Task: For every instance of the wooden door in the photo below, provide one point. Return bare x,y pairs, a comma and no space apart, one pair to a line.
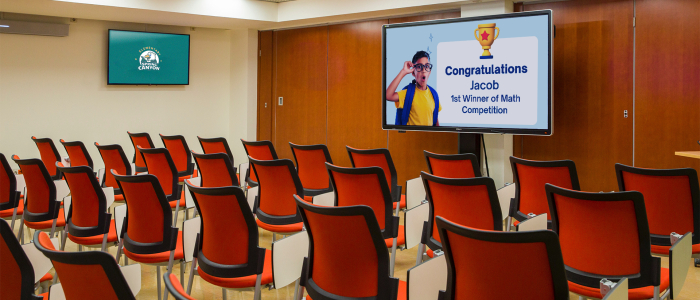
264,130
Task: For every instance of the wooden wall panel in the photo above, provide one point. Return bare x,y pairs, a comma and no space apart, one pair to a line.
354,88
407,148
667,83
593,63
300,78
264,130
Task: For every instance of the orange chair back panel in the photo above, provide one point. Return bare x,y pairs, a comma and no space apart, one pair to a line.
481,261
353,189
224,228
84,281
452,168
533,198
345,259
667,200
158,165
112,160
259,153
4,185
84,202
140,141
465,205
11,282
373,160
594,235
178,153
214,173
145,221
277,190
38,191
312,170
213,147
77,157
48,157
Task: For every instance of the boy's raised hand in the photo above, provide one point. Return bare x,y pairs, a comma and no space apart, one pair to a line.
407,67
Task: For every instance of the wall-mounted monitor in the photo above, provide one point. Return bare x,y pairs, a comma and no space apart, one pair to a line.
148,58
490,74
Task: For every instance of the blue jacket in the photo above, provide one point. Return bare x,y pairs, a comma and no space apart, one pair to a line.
403,113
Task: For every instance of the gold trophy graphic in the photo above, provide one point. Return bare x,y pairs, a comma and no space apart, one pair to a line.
484,34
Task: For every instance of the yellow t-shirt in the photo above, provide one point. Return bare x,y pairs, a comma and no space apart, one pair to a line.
421,109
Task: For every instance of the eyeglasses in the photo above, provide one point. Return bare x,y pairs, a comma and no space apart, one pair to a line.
420,67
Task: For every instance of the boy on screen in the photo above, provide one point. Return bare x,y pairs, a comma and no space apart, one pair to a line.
416,102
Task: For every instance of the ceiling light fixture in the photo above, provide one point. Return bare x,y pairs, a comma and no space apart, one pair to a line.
6,26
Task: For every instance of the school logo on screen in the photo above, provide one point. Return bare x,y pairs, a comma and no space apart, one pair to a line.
149,59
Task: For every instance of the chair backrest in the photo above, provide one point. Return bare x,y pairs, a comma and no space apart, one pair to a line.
9,196
476,257
85,275
40,202
180,153
279,183
361,269
671,197
310,160
215,145
381,157
365,186
78,154
114,158
49,155
144,141
471,202
229,236
603,235
260,150
87,215
17,281
147,228
530,176
464,165
160,163
216,170
175,287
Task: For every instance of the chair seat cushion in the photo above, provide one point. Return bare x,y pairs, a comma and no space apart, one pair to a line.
400,240
46,277
44,296
296,227
183,178
8,212
119,197
48,223
664,250
157,257
241,282
173,203
401,295
96,239
402,202
429,253
638,293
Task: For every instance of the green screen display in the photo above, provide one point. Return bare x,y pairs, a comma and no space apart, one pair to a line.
148,58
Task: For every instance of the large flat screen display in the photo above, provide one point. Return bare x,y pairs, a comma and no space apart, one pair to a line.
487,74
148,58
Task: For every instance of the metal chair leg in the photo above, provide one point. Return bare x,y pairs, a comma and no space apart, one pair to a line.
159,279
223,293
509,222
393,258
64,234
256,295
421,250
182,271
193,268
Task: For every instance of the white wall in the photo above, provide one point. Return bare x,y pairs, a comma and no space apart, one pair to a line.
244,90
57,87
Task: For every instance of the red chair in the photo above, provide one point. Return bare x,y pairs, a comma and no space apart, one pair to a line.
89,222
215,145
227,247
351,265
11,205
471,202
114,158
260,150
530,176
144,141
77,154
17,281
361,158
368,186
464,165
311,167
216,170
42,211
606,235
180,152
85,275
148,236
159,163
275,207
672,200
175,288
476,257
49,156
